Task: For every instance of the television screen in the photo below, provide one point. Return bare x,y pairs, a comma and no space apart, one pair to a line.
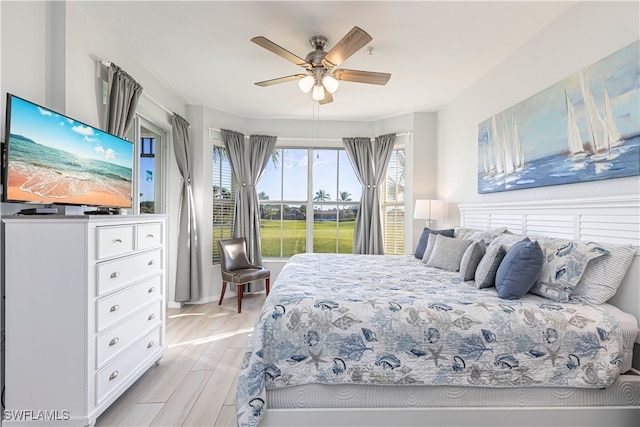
51,158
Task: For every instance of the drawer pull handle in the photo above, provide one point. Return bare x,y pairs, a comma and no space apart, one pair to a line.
151,262
114,308
151,344
150,236
117,240
115,274
151,289
113,375
114,341
151,316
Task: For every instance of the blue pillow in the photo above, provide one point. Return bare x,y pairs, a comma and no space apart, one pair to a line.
424,239
519,269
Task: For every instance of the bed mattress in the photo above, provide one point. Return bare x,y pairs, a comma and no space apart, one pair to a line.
624,392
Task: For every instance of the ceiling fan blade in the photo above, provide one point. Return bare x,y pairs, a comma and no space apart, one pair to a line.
280,80
352,42
362,76
327,97
280,51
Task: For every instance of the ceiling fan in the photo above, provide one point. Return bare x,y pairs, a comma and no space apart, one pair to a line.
322,75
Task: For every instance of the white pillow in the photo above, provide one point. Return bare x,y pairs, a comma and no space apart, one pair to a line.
603,275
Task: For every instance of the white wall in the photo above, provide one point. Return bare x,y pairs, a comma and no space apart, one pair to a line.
584,34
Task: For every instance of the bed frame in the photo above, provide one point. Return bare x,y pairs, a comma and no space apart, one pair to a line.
604,219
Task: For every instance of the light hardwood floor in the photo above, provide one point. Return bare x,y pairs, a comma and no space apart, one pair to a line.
195,383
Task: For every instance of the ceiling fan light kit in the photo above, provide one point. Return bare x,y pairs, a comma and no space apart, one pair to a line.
322,77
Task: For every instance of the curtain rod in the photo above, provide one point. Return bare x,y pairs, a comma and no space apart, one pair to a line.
146,95
212,129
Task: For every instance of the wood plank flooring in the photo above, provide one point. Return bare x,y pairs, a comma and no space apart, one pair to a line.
195,384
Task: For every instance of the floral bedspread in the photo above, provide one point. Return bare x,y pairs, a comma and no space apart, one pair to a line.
390,320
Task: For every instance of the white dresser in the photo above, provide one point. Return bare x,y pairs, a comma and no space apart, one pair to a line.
85,313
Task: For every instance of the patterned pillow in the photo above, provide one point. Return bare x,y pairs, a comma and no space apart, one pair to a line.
486,271
424,239
519,269
460,232
603,275
487,236
508,240
471,258
565,263
447,252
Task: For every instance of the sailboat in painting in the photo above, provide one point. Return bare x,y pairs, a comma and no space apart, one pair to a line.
576,146
604,132
517,146
502,155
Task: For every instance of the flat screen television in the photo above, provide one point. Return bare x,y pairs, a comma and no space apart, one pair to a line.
50,158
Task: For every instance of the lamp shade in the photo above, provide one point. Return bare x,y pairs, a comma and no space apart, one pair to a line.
428,209
306,83
318,93
330,83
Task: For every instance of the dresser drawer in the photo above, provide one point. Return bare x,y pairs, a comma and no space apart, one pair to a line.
111,376
122,271
114,241
114,341
114,307
149,235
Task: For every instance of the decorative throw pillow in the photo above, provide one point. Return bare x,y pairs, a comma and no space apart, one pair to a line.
486,271
447,252
519,269
487,236
424,239
603,275
461,232
565,262
471,259
508,240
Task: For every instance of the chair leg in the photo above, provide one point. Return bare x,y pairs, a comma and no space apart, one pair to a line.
224,287
240,292
266,283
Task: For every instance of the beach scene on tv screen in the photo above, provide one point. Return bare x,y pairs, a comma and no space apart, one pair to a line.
54,159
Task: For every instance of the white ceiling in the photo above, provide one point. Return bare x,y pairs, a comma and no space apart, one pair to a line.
201,50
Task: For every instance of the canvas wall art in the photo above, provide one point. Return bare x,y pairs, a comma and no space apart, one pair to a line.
583,128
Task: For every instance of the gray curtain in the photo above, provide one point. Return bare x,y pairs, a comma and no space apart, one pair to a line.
122,100
188,279
248,160
370,163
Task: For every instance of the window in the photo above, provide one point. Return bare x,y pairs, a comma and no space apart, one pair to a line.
301,180
335,187
150,166
224,187
309,199
392,204
282,194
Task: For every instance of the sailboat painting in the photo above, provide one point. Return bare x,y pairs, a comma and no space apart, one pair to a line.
583,128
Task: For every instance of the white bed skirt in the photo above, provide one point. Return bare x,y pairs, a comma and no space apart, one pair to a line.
477,417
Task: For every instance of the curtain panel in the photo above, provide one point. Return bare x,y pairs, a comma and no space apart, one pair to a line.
122,99
248,160
188,274
369,161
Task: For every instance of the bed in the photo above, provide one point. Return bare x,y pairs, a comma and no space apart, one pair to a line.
381,340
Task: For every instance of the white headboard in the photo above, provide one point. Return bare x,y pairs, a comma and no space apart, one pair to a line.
605,220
